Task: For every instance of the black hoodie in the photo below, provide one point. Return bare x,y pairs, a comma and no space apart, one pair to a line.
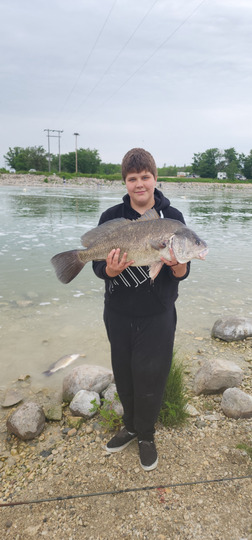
131,292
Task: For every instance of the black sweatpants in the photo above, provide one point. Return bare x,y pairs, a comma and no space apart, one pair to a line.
141,354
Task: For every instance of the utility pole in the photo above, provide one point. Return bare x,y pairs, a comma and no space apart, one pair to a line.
76,153
49,155
59,131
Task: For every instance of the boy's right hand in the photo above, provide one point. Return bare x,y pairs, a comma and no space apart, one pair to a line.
115,265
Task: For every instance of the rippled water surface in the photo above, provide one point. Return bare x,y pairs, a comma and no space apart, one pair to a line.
42,319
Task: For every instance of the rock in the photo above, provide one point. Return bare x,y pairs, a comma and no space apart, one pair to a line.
191,410
110,395
53,412
232,328
75,421
86,377
27,422
32,530
12,397
217,375
236,403
81,403
24,377
72,432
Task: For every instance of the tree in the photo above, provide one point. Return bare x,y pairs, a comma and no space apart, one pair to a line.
206,164
167,170
109,168
231,163
88,161
247,166
24,159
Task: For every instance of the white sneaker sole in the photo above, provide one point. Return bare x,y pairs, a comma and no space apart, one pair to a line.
119,448
149,467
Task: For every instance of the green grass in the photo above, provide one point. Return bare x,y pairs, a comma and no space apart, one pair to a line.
173,412
246,447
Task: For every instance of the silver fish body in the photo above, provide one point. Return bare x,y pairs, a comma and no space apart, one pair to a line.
145,241
62,363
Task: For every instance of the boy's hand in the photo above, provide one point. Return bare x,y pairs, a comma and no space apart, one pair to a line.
178,269
115,265
172,261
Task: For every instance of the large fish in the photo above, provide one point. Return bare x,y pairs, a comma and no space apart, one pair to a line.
145,241
62,363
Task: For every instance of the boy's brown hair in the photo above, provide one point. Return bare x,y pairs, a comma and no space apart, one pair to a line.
137,160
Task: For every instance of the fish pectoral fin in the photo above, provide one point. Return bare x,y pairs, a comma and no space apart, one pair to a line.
158,245
155,269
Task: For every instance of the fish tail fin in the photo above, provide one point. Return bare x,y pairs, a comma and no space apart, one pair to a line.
67,265
48,372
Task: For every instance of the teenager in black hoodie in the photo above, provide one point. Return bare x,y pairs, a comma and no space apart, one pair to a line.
140,315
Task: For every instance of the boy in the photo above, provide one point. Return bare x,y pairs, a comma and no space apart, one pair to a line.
139,315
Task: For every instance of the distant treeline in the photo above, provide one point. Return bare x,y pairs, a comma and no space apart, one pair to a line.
205,165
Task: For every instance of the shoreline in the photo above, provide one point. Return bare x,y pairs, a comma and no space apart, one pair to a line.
31,180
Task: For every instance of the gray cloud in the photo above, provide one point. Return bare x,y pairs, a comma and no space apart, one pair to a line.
174,77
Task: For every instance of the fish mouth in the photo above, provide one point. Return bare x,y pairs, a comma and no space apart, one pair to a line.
202,255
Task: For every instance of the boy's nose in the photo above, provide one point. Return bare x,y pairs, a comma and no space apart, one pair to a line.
139,182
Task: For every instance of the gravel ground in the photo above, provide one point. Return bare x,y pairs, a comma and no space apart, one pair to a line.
75,465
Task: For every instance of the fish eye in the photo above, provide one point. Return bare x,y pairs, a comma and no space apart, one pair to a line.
197,242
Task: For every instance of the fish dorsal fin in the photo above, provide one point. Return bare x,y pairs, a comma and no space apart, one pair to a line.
98,233
149,215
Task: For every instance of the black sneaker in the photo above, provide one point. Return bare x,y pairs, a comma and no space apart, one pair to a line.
148,455
122,439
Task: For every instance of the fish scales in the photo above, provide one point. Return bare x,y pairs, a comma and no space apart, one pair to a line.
137,238
145,241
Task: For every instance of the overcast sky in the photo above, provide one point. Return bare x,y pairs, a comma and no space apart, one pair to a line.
172,76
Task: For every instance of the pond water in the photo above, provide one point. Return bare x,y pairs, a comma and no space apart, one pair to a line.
41,319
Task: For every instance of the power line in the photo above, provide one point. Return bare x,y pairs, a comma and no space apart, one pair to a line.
126,490
149,57
89,56
116,57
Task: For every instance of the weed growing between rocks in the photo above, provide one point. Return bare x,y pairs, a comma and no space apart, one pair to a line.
173,410
246,447
111,420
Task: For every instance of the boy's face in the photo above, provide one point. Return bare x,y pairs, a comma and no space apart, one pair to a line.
140,187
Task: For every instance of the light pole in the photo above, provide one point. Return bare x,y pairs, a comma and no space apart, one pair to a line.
76,153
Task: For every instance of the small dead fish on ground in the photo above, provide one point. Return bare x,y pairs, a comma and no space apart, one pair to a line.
145,240
62,363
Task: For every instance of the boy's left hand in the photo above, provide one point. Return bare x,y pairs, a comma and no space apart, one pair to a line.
178,269
172,261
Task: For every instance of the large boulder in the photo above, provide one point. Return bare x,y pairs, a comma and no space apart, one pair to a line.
232,328
81,404
86,377
236,403
27,422
217,375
